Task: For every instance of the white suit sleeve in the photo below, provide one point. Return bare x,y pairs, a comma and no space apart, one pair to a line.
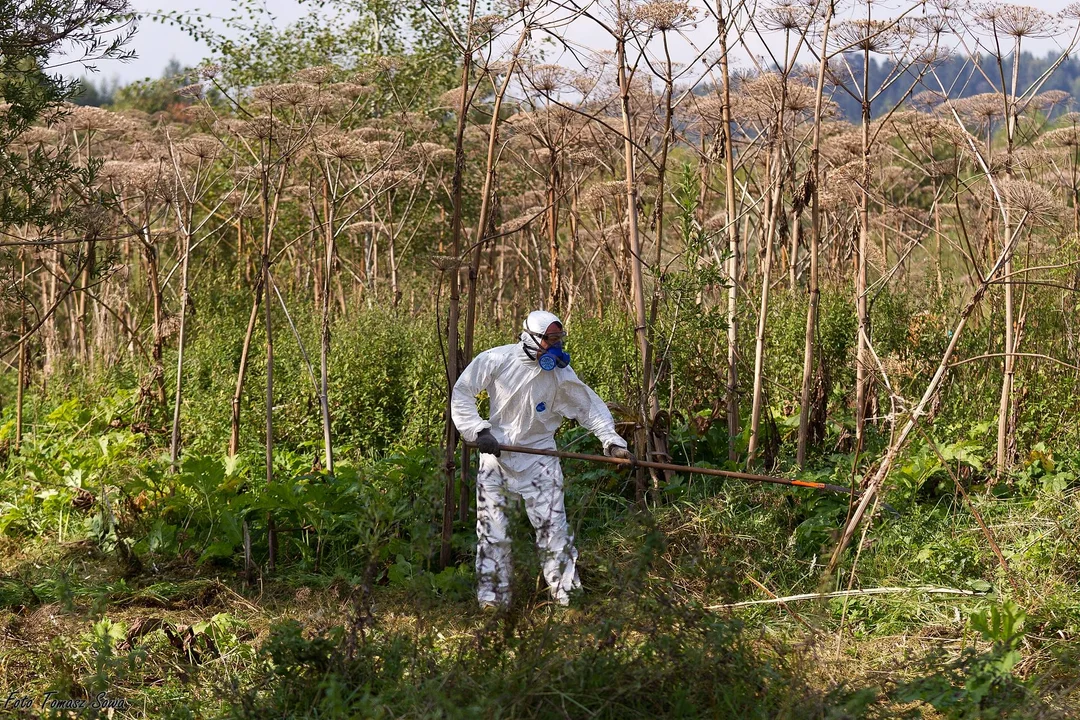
585,406
473,380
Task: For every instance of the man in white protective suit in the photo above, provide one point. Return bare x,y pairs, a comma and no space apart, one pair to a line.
531,387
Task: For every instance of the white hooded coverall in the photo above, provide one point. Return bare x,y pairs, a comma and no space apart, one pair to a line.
528,405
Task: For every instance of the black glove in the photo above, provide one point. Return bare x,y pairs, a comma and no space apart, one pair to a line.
487,443
617,451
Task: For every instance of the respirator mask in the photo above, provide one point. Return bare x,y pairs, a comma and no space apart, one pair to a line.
534,335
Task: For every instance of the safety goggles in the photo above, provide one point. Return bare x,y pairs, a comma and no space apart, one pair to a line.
551,338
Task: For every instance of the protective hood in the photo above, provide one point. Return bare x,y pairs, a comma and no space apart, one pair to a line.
537,322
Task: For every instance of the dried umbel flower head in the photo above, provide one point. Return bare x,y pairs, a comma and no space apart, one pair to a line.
716,223
257,128
318,75
370,134
201,147
1026,159
1017,21
406,121
1068,136
1049,99
200,114
876,36
85,118
450,99
664,15
586,158
393,179
209,71
786,16
545,78
515,224
194,91
484,25
388,63
36,136
432,152
596,195
921,128
350,90
927,100
1023,197
138,176
760,97
983,108
341,147
377,150
247,211
293,95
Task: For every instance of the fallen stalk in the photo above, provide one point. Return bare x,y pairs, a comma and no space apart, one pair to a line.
676,468
847,593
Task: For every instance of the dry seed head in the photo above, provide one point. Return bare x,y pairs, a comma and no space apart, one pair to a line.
716,223
258,128
209,71
584,157
84,118
1026,197
36,136
195,91
350,90
370,134
1017,21
759,97
983,108
665,15
876,36
786,16
248,211
317,75
529,198
135,175
482,26
201,147
446,262
1049,99
597,194
292,95
1068,136
515,224
545,78
940,169
387,63
432,152
339,146
414,121
377,150
392,179
450,99
927,100
200,114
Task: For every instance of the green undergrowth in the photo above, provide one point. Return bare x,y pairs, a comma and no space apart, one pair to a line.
124,575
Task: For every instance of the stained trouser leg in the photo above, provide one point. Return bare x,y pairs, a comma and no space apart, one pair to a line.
544,503
492,534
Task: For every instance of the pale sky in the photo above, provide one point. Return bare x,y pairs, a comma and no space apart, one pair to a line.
156,44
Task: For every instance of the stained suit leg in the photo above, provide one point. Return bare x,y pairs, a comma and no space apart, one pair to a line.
545,505
493,561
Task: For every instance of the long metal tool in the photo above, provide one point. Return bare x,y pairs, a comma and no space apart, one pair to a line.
677,468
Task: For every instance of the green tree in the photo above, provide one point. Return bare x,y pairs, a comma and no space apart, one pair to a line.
33,32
